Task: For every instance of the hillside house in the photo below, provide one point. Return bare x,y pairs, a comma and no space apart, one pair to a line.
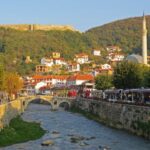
115,57
42,69
74,67
111,49
81,58
59,61
78,79
47,61
56,55
96,52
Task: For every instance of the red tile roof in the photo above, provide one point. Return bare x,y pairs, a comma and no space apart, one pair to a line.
81,77
40,77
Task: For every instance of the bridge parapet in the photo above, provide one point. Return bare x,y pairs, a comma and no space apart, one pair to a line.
54,101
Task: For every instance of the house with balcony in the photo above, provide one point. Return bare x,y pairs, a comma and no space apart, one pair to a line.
42,69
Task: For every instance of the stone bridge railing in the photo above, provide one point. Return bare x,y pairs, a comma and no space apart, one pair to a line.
54,101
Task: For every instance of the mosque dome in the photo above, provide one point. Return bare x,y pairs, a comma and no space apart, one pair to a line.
134,58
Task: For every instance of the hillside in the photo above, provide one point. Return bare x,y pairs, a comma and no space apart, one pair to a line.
124,33
15,45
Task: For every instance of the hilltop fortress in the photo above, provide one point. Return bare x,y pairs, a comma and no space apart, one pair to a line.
34,27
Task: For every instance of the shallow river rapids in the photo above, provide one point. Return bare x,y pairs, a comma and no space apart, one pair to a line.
70,131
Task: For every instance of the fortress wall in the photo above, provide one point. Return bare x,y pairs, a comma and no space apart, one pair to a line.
34,27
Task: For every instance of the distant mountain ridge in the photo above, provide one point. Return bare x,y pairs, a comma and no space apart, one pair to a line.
33,27
126,33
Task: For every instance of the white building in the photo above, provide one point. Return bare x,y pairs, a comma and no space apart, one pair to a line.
39,85
115,57
59,61
81,58
49,81
47,61
96,52
79,79
118,58
59,81
74,67
113,48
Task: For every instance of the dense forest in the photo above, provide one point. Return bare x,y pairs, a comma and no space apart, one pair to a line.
16,45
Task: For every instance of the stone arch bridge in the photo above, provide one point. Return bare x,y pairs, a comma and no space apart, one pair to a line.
54,101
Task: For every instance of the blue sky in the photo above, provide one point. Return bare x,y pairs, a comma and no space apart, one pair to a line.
82,14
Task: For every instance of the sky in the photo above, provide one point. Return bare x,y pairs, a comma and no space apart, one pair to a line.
81,14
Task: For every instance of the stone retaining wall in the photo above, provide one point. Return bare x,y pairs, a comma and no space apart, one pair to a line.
135,119
9,111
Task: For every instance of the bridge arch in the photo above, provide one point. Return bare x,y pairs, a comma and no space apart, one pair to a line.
64,104
26,102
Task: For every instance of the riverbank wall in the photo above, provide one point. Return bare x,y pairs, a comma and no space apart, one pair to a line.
133,118
9,111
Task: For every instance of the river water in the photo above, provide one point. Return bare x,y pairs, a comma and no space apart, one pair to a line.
62,126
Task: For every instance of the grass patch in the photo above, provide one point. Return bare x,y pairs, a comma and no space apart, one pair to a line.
20,131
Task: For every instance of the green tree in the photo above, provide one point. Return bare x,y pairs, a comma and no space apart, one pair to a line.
127,75
146,81
103,82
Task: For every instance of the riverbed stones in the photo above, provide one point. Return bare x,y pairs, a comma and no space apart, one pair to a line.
83,143
55,132
104,148
47,143
76,139
90,138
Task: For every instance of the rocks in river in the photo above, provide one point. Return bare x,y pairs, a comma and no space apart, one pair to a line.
83,143
47,143
90,138
55,132
104,148
76,139
70,134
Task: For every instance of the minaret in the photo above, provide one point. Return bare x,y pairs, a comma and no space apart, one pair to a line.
144,41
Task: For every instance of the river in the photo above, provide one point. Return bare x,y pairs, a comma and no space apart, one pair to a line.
62,127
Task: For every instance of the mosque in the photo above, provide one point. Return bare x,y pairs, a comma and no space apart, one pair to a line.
138,58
